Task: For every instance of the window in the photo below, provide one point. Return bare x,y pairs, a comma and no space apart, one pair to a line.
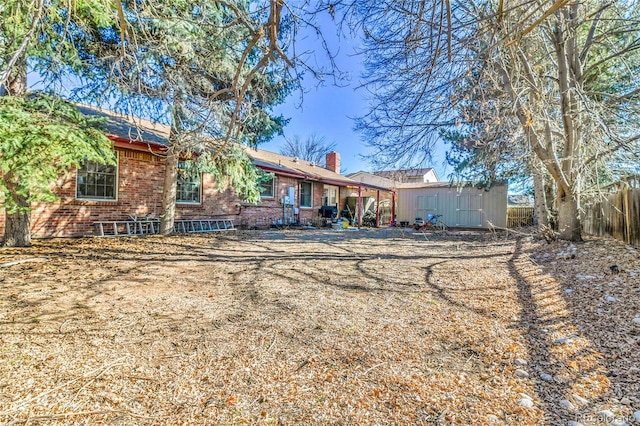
266,187
188,189
330,196
306,194
95,181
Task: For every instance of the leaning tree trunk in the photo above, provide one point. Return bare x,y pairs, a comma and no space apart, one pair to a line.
169,191
569,225
17,225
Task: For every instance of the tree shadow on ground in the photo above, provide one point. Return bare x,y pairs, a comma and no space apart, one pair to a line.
588,354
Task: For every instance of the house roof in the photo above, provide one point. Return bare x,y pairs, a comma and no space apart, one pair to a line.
400,175
282,164
129,128
414,185
371,179
138,133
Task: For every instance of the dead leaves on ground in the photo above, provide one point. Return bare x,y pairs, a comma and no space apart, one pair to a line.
324,327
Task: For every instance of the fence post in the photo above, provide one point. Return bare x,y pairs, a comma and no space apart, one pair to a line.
627,214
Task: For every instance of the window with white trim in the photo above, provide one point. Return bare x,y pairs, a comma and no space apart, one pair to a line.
330,197
189,186
95,181
306,194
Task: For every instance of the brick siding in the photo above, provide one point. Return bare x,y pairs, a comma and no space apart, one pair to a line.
140,181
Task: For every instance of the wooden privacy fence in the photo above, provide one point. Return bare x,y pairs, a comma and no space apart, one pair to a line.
519,216
616,214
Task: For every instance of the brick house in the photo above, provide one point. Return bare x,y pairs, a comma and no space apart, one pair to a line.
133,188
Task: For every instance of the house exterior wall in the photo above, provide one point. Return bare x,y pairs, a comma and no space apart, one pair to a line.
466,208
430,176
270,209
140,181
139,192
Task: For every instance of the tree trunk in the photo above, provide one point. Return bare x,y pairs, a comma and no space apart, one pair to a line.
568,220
170,185
539,196
17,229
169,191
549,191
17,84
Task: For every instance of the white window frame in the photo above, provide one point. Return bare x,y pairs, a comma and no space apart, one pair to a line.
302,206
115,184
328,189
188,202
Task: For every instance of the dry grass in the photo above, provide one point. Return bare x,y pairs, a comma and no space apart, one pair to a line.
369,327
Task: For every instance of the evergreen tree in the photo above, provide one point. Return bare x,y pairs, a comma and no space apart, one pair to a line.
211,70
42,136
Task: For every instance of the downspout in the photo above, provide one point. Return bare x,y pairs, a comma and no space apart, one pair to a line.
284,210
298,199
359,206
378,208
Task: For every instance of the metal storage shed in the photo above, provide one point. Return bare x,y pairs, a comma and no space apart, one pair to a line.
463,206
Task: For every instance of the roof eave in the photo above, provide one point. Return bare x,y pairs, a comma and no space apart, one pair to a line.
121,142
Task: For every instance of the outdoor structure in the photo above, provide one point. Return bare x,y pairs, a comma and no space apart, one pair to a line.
520,210
131,191
373,197
462,206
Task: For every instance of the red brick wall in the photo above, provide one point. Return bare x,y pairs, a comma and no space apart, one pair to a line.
140,180
333,162
270,210
261,215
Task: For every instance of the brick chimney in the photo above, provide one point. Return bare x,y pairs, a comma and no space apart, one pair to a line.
333,162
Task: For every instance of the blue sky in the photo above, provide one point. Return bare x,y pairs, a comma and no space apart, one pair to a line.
328,110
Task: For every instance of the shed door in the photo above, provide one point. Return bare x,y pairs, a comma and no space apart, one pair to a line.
469,210
426,204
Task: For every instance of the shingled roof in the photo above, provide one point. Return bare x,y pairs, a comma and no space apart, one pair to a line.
282,164
403,175
368,178
129,128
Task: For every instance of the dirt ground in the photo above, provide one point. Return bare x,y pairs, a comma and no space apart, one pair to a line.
320,327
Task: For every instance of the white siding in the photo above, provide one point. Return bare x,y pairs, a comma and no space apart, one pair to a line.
466,208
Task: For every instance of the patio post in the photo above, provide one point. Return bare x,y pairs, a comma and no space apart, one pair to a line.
393,208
